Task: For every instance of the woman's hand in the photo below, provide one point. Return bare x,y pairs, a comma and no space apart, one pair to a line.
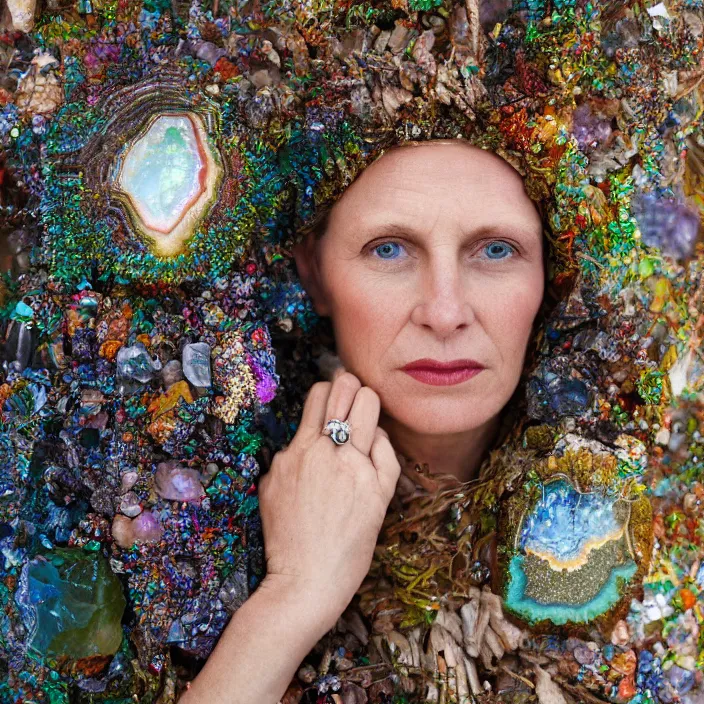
323,505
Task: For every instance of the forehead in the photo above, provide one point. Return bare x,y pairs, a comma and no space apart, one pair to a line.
417,184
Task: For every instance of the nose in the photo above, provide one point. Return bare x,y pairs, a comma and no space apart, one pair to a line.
443,304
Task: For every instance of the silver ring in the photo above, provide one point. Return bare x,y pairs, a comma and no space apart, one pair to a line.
338,430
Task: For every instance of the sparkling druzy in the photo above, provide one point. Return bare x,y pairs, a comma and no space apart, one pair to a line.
164,172
573,556
168,178
72,604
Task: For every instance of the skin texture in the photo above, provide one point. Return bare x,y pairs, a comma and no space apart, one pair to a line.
434,251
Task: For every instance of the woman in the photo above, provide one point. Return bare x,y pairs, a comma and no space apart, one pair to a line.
431,269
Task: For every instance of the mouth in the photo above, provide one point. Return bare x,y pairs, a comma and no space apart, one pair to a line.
436,373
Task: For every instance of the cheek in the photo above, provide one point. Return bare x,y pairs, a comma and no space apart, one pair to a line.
508,311
364,325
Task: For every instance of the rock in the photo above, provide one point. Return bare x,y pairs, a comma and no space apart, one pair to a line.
39,90
73,604
146,528
135,363
128,480
122,531
172,373
130,505
22,14
620,635
178,483
666,223
196,364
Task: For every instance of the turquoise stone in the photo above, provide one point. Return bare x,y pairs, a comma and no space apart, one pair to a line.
573,558
73,604
164,172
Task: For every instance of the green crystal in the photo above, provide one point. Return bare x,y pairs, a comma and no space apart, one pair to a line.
76,603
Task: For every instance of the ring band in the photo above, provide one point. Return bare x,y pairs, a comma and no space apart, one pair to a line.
338,430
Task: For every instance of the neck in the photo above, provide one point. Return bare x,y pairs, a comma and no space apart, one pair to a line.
459,454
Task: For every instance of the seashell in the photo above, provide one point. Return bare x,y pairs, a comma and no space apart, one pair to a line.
397,641
509,634
494,643
414,640
22,14
473,676
451,622
475,619
547,691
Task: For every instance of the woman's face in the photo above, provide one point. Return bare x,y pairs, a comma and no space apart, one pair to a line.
434,252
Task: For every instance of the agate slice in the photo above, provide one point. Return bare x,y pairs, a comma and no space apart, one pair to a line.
574,555
167,177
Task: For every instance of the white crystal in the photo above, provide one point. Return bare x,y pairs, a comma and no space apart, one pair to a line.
164,172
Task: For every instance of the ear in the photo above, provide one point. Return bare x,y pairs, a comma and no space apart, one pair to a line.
305,255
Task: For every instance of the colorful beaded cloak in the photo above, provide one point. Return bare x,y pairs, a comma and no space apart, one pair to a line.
158,161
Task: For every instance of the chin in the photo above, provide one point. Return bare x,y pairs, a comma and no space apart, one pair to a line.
444,416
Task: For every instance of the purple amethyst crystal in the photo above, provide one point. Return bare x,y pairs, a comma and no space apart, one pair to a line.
589,129
666,223
177,483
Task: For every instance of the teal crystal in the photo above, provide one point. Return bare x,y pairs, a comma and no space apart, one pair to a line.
573,559
164,172
72,604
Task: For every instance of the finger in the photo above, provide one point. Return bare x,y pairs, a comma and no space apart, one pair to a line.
364,419
338,371
341,397
313,416
388,467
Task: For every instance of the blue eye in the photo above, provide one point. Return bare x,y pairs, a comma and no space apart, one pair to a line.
387,250
498,250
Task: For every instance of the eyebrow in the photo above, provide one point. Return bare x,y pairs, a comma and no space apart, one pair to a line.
513,229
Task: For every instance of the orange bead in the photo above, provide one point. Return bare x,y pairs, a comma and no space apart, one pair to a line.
626,688
688,599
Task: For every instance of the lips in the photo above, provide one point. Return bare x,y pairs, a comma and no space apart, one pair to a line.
436,373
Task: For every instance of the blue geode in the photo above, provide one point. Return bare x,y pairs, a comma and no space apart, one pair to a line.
573,556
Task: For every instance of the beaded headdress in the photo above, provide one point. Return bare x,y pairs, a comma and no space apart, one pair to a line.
159,159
